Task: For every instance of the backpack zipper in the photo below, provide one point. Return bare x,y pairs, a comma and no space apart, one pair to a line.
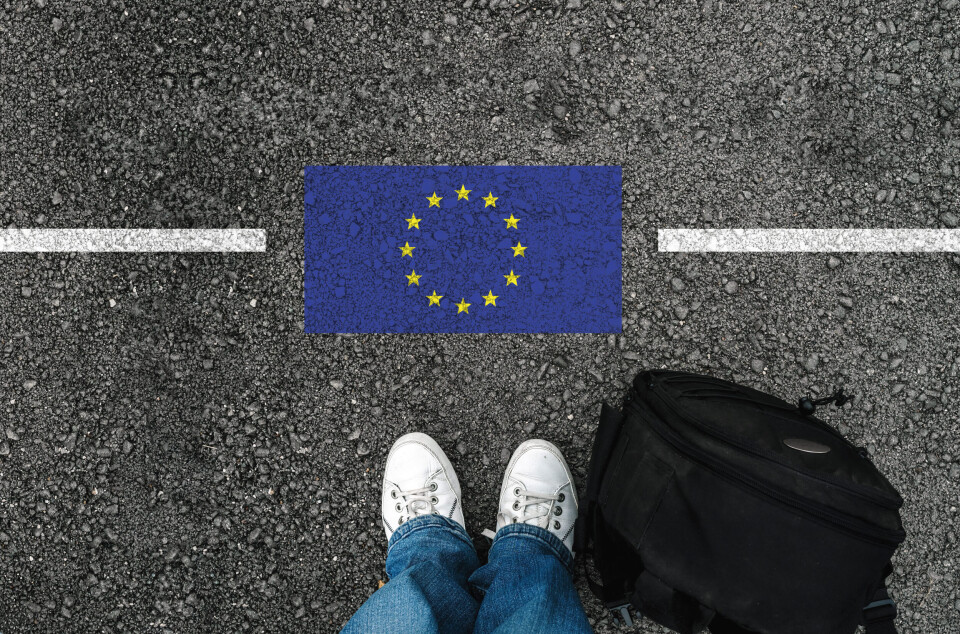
858,529
863,493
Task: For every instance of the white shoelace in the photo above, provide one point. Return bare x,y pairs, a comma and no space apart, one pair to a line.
542,503
539,515
415,502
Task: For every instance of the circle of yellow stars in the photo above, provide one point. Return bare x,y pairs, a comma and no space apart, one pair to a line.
407,250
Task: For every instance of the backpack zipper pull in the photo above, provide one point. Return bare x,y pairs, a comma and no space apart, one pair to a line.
808,406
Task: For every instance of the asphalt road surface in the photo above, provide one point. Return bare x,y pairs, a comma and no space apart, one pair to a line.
177,456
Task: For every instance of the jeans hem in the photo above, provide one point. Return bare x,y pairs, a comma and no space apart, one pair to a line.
542,535
428,522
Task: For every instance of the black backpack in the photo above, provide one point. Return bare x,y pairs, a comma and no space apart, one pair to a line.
709,504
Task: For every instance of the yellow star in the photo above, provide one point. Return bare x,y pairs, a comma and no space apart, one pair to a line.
518,250
490,200
434,299
413,221
511,222
406,249
490,298
463,306
434,200
512,279
413,278
462,193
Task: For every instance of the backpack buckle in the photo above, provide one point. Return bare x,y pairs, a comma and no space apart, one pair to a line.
623,611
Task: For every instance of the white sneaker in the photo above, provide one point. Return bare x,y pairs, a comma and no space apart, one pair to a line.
418,479
538,489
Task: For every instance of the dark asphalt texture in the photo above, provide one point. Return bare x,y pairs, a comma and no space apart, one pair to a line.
177,456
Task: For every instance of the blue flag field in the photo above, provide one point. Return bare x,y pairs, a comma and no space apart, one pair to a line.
462,249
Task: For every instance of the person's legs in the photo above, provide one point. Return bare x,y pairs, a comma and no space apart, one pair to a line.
527,582
429,555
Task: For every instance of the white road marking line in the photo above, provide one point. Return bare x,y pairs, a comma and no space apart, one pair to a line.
808,240
132,240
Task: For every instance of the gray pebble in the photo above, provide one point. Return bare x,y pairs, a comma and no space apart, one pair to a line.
949,219
810,365
29,384
677,284
530,86
336,384
833,262
731,287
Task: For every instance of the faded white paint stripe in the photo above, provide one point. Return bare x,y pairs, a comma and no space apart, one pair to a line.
132,240
808,240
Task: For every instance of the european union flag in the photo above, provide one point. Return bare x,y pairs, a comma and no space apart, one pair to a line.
462,249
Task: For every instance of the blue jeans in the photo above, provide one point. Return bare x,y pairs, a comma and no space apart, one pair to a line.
438,585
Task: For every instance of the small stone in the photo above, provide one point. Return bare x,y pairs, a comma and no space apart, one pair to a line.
308,24
810,365
731,287
630,355
362,449
253,535
57,24
677,284
29,384
336,384
613,110
57,198
913,177
756,365
208,364
559,111
529,427
681,312
530,86
949,218
907,132
833,262
26,291
574,48
846,302
461,448
4,448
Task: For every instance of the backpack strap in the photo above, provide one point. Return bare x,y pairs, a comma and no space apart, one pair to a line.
608,431
879,614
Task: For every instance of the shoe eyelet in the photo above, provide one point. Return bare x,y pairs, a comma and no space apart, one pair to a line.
400,522
556,525
516,491
434,500
393,493
516,506
557,510
560,497
398,507
433,486
514,520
